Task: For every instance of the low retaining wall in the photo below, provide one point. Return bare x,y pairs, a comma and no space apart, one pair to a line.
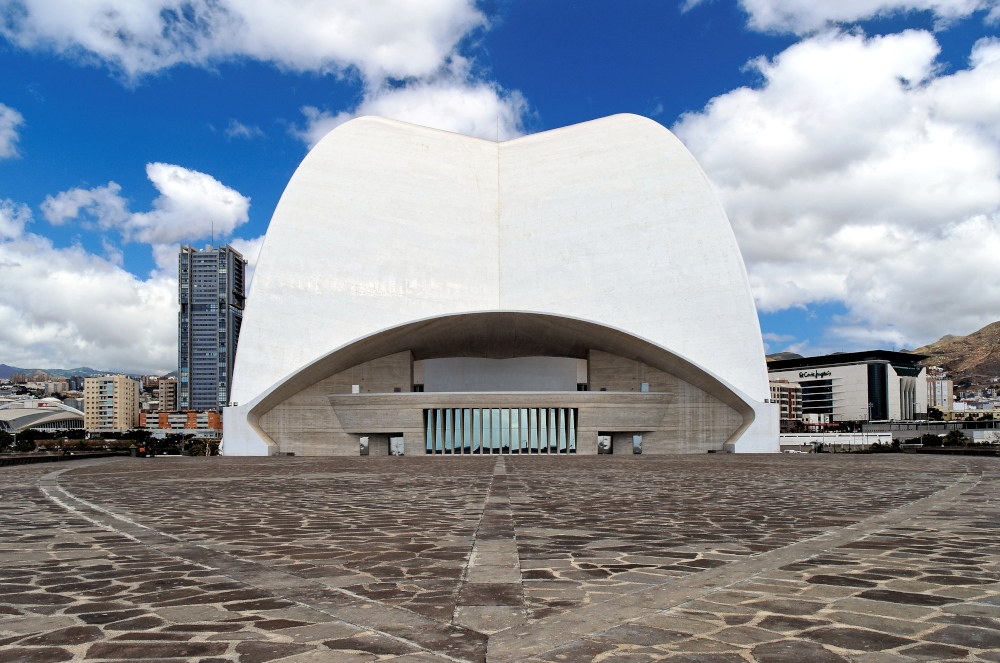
960,451
28,459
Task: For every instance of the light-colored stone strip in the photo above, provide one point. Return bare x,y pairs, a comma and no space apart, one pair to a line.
353,609
493,566
498,468
518,644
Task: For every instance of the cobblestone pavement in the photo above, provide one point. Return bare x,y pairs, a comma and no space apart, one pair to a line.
686,558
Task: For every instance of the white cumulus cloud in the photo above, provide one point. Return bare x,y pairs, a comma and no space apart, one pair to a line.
388,38
10,122
13,218
191,205
476,109
102,203
68,307
405,53
857,172
805,16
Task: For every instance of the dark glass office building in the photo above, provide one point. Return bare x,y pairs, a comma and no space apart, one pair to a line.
212,295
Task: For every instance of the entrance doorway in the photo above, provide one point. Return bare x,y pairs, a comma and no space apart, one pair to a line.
621,444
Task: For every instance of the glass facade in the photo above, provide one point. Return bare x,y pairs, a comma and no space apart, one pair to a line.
477,431
817,396
211,291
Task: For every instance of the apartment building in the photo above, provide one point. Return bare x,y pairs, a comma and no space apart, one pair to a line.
110,403
940,393
788,396
166,394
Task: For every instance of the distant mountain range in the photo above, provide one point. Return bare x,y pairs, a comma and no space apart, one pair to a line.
83,371
975,357
7,371
971,357
782,356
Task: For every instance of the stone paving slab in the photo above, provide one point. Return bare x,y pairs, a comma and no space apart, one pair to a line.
954,543
687,558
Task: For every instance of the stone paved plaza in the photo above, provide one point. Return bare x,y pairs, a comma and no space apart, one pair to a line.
714,558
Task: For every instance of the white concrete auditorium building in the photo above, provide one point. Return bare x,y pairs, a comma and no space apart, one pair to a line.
424,292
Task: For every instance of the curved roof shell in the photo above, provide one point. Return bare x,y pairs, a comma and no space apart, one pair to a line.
610,221
17,417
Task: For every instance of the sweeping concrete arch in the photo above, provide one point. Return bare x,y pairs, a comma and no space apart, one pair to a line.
502,335
610,221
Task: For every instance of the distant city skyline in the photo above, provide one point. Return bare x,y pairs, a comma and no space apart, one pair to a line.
855,146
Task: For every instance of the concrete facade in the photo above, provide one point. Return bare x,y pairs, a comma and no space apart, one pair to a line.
203,424
860,386
788,396
601,242
328,418
940,393
512,374
166,394
110,403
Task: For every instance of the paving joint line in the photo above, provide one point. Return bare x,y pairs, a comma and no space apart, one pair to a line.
523,643
49,484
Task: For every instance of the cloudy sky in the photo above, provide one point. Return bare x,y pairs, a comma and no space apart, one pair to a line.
855,144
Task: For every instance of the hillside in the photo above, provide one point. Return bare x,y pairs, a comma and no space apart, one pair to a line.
974,356
7,371
782,356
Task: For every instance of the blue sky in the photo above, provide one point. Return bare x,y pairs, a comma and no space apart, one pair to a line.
855,146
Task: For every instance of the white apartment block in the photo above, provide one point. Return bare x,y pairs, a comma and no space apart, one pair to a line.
940,393
110,403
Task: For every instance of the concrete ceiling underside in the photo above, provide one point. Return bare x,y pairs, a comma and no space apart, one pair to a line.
501,335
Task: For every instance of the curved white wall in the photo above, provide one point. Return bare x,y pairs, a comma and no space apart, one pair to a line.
611,221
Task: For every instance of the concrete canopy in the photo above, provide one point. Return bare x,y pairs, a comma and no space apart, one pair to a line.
17,417
609,223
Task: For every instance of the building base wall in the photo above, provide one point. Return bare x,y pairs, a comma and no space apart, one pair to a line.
317,411
681,421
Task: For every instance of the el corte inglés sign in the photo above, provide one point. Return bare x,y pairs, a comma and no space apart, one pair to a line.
814,374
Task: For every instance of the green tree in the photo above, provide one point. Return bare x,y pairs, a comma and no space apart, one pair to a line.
930,440
955,438
24,445
31,434
935,414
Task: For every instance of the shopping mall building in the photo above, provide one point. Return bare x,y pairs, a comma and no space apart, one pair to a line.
570,292
876,385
